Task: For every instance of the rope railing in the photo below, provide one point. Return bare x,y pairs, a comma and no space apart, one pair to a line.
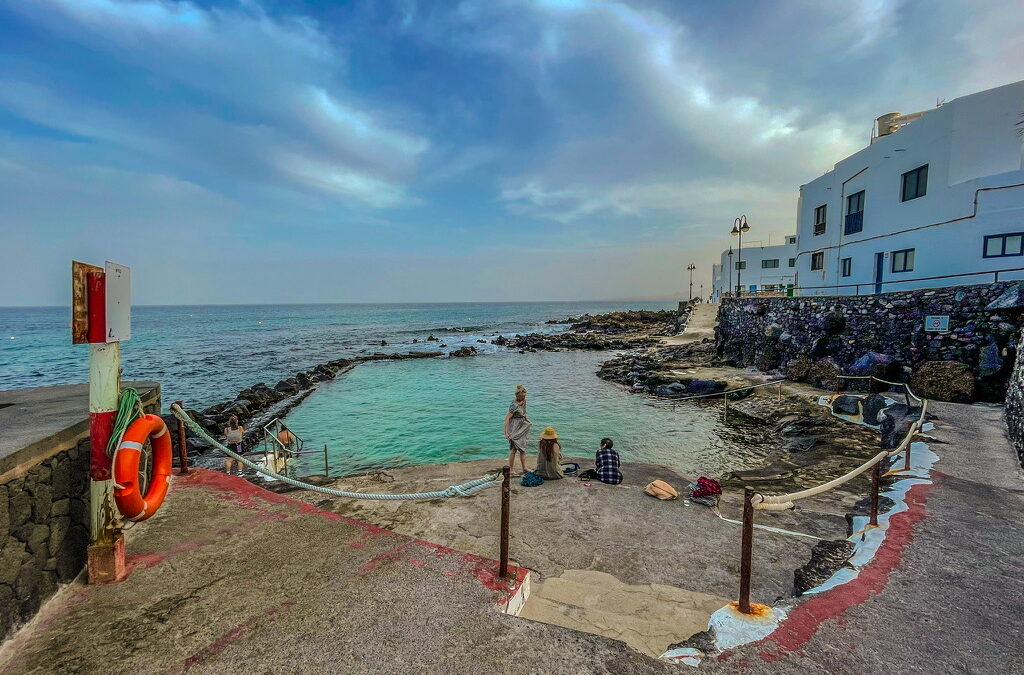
466,489
755,500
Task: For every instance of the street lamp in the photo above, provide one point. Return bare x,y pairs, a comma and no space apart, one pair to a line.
690,268
731,287
739,226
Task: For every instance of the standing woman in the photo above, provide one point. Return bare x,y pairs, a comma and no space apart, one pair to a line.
517,429
233,439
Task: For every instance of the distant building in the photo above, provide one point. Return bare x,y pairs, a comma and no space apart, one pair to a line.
763,269
936,193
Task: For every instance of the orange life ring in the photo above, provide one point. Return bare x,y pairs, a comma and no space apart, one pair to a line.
130,502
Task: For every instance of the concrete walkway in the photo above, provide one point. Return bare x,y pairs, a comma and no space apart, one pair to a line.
700,325
945,593
231,578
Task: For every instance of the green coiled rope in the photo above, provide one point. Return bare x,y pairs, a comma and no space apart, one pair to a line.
129,407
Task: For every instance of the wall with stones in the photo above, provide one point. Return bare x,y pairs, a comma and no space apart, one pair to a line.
44,525
1014,410
817,338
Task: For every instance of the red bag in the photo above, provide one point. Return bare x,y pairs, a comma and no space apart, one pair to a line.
707,487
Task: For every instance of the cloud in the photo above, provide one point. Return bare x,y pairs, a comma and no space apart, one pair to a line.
230,91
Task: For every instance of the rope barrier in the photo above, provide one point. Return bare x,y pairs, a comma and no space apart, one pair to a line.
785,501
466,489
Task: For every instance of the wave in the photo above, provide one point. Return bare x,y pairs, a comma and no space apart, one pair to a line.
457,329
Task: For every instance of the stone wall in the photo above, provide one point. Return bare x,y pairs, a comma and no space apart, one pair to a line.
817,338
44,526
1014,410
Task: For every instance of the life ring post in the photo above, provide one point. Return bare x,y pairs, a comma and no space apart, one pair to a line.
182,445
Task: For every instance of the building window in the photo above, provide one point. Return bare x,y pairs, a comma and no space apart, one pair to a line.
903,261
792,262
854,213
770,264
791,240
818,260
915,183
819,219
1004,245
741,265
846,265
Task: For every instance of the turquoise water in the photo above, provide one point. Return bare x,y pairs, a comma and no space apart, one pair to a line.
390,414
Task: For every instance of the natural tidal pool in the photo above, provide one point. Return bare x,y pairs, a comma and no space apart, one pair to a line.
398,413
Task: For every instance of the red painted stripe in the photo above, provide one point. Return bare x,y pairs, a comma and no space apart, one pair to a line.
101,426
96,294
805,619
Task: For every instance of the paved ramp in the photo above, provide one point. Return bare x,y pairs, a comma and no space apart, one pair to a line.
701,325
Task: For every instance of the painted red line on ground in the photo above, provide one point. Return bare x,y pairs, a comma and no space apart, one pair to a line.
249,495
233,635
805,619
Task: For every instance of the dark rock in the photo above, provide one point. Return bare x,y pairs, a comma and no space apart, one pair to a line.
824,374
827,557
863,506
990,360
12,555
289,386
846,405
944,381
872,405
798,368
835,323
71,553
874,364
432,339
704,641
796,433
467,350
20,505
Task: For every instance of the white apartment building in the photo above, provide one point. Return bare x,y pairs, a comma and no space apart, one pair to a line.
936,193
757,268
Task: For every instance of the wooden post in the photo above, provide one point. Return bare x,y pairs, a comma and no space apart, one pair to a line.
780,390
182,448
746,548
876,474
725,398
327,469
506,491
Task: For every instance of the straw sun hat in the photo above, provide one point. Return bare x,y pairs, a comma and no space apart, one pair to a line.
549,434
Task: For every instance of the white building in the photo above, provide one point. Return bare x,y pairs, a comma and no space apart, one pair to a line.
937,193
759,269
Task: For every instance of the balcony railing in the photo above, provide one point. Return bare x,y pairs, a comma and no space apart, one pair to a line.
819,228
854,223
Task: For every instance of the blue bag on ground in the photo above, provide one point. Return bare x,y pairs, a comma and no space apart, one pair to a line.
530,479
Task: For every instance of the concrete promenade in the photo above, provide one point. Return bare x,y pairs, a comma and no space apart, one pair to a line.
945,594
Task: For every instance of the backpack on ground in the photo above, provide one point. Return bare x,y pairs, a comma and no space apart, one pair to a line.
661,490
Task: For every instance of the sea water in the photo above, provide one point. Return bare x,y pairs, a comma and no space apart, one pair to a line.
386,414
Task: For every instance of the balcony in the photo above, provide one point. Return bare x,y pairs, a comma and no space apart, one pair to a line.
854,223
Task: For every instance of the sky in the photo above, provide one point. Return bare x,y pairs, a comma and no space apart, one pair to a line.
264,151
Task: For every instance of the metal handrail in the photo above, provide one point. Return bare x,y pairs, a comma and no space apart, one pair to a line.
780,502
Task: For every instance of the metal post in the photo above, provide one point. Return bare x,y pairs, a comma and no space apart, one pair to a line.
327,469
746,548
182,448
725,397
506,491
780,390
876,475
906,453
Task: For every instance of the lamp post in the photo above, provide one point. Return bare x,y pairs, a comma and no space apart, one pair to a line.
731,287
739,226
690,268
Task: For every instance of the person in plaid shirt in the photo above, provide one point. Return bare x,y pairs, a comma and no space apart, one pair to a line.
608,463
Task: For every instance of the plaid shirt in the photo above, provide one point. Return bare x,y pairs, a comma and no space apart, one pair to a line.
608,466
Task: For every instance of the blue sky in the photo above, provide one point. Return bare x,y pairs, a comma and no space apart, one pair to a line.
287,151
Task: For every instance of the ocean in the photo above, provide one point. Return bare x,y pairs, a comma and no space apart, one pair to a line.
388,414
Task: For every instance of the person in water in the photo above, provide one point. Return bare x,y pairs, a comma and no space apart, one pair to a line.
517,429
233,439
608,463
549,456
286,437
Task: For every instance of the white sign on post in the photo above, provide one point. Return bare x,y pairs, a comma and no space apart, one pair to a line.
936,324
119,302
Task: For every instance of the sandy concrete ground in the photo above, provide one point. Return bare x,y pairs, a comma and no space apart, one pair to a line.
229,578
